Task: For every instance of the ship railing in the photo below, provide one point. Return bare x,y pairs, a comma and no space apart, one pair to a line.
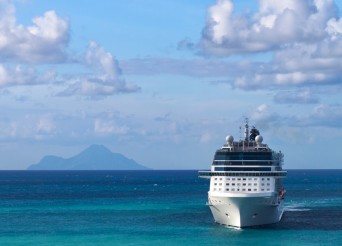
246,148
208,174
275,162
243,167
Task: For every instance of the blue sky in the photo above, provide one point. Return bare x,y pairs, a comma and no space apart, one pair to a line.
163,82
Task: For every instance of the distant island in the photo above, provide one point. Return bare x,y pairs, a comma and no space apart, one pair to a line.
95,157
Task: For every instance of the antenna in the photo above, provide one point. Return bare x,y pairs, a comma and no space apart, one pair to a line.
240,133
246,130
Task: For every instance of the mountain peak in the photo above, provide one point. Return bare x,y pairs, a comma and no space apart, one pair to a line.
96,149
95,157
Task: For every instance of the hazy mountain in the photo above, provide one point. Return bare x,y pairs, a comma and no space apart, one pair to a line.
95,157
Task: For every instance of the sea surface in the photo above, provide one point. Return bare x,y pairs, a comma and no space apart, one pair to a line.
155,208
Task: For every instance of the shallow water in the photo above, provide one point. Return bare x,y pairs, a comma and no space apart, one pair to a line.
155,207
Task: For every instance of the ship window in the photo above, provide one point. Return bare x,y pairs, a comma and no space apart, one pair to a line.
255,179
227,189
227,184
249,178
233,184
228,178
262,184
255,184
215,183
255,189
220,189
215,178
220,178
239,179
243,189
262,179
262,189
244,184
268,178
249,190
220,183
244,179
214,189
233,178
268,184
268,189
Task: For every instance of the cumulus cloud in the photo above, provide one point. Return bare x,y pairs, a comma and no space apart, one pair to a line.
21,47
322,115
301,65
44,41
103,61
274,25
304,39
263,117
301,40
107,79
23,75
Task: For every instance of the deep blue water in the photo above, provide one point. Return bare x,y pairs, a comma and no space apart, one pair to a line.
155,208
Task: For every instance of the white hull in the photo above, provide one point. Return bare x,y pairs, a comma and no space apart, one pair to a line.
243,211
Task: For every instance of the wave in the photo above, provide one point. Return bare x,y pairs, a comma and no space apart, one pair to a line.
297,207
294,209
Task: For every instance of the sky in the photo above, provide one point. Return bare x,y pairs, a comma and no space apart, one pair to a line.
164,82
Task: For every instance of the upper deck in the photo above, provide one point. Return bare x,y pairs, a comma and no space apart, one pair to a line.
248,155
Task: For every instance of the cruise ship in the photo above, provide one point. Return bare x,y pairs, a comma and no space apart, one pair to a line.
246,182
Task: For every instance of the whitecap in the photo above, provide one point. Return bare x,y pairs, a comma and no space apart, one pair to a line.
296,209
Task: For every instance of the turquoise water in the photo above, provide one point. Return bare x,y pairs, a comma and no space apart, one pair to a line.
155,208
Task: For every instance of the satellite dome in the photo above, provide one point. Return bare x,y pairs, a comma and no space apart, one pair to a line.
229,139
258,139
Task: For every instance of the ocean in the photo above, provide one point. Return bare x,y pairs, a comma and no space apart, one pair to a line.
156,208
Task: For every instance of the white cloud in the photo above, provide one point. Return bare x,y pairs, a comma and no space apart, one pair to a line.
323,115
23,75
274,25
302,41
263,117
44,41
49,27
27,127
220,20
109,127
103,61
107,79
334,27
296,44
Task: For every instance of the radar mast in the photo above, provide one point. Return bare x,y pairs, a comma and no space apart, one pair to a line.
246,130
